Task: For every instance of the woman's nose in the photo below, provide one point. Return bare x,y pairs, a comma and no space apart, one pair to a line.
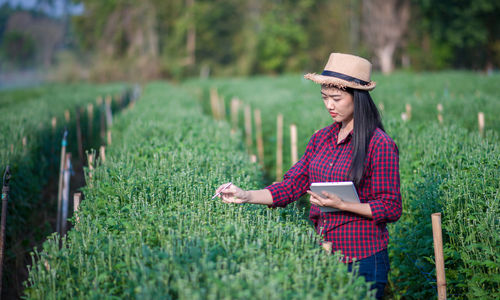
330,104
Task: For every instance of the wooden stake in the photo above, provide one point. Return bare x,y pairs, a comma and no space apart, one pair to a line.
404,117
76,204
408,110
258,133
90,159
65,194
248,127
438,253
103,121
293,142
109,113
440,112
25,142
60,187
53,122
381,106
213,103
90,119
108,137
66,116
279,148
5,199
234,113
253,158
102,153
480,119
98,101
79,135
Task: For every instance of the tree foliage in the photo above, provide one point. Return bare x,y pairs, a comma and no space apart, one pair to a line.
178,38
460,33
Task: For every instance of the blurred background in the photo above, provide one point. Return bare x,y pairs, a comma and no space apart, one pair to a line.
101,41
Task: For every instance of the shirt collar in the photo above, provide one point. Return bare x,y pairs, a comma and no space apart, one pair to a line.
334,132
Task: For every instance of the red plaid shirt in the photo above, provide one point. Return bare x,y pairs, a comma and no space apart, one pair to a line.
326,161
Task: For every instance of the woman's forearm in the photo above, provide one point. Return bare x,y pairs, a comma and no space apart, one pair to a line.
363,209
260,197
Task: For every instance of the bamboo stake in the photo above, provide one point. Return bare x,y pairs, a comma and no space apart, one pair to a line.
293,142
213,103
279,148
79,135
76,204
234,113
480,119
66,116
440,112
381,106
53,122
404,117
103,121
98,101
109,137
90,160
258,133
408,110
102,153
109,113
5,199
438,253
65,194
25,142
248,127
61,171
90,119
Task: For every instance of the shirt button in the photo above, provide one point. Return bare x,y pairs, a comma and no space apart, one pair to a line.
331,164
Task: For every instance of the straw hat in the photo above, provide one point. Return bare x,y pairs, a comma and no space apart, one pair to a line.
345,70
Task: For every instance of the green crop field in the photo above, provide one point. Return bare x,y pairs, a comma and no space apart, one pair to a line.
147,228
444,167
30,145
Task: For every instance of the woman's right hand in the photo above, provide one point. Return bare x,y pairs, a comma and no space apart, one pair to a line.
233,194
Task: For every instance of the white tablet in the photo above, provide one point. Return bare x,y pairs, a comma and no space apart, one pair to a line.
345,190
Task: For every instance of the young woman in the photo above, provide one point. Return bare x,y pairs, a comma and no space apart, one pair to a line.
354,148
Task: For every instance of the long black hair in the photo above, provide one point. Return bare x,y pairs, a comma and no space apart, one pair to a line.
366,121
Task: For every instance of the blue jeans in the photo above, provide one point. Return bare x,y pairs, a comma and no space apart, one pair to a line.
374,269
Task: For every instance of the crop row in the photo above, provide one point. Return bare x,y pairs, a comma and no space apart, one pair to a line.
31,143
444,167
148,229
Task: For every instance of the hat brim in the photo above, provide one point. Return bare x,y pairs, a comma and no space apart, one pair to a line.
328,80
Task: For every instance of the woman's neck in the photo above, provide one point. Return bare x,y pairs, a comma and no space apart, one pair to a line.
347,125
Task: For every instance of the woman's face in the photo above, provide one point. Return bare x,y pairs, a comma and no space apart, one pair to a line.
339,103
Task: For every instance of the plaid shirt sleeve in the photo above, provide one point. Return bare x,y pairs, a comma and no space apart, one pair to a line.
295,182
386,205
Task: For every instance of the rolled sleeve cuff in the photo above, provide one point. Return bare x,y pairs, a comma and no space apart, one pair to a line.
378,211
277,191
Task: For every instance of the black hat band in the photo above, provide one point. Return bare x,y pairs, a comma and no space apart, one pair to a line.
344,77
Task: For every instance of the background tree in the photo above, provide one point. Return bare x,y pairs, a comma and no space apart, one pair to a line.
384,23
458,33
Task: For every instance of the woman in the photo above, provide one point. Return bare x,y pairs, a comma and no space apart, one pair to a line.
354,148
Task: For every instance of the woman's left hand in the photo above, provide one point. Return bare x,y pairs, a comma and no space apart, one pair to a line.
327,199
